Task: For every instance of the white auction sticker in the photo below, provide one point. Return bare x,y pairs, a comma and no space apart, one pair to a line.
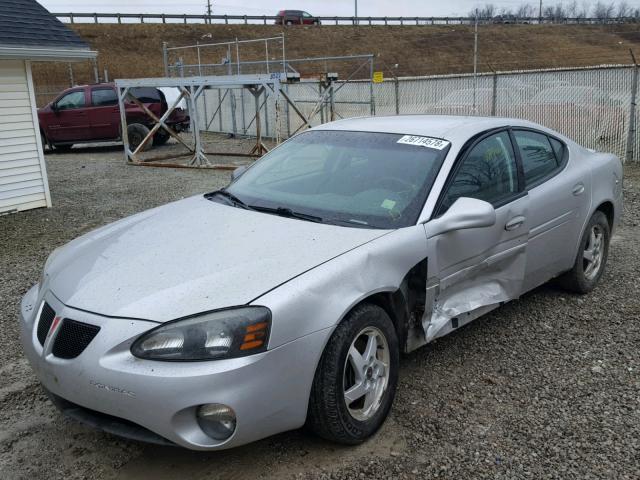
428,142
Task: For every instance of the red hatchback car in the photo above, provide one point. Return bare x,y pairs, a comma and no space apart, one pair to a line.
296,17
90,114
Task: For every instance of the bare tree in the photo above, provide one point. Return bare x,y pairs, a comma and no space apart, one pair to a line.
623,10
487,11
603,10
554,12
524,11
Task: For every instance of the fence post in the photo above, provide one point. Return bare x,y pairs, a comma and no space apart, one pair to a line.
119,18
95,18
71,82
95,71
396,85
71,17
631,134
286,87
220,109
165,59
494,94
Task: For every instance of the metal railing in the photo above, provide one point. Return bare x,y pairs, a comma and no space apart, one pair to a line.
71,17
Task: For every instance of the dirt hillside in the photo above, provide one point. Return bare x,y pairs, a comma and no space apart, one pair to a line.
135,50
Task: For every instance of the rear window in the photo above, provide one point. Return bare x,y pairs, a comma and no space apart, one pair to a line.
103,96
147,94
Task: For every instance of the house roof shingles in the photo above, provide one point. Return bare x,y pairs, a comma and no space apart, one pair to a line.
25,23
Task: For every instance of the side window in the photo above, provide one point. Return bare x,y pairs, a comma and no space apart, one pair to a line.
488,173
558,149
538,157
71,100
103,96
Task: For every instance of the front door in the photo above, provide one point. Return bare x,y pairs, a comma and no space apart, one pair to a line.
475,270
69,121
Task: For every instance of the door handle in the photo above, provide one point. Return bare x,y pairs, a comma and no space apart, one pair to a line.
578,189
515,222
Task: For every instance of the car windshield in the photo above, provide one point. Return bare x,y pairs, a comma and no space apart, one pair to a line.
365,179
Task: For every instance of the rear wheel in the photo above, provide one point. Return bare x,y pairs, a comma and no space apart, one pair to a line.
161,137
356,379
43,141
591,258
137,133
62,147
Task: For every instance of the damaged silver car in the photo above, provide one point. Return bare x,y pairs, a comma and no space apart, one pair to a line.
287,298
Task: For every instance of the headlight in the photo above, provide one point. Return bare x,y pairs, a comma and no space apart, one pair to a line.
229,333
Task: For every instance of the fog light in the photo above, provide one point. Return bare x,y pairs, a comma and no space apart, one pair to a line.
216,420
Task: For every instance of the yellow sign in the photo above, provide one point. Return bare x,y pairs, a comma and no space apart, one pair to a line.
378,77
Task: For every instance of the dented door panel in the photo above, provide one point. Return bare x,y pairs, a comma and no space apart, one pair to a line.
472,271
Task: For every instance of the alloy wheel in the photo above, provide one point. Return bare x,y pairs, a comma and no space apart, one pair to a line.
593,253
366,373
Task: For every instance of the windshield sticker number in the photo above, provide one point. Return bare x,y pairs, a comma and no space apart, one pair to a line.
424,142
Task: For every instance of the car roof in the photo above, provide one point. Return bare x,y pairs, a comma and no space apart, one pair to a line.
450,127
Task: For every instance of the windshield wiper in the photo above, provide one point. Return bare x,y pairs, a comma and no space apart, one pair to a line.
230,196
287,212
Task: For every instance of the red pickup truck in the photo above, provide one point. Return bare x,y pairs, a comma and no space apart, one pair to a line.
90,114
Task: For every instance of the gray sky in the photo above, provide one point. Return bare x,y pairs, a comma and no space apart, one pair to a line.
270,7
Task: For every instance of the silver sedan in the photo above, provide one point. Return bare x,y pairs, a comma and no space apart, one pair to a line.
287,297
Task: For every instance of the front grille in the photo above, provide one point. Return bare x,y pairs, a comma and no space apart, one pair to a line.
44,323
73,337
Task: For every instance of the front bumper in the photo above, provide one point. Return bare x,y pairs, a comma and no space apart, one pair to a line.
269,392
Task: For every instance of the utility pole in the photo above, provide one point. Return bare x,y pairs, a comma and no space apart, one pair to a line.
356,15
209,10
540,13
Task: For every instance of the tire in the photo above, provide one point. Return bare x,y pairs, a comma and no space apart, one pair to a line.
43,142
136,133
329,415
582,278
161,137
289,22
62,147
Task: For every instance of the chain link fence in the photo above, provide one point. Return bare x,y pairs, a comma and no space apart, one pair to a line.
590,105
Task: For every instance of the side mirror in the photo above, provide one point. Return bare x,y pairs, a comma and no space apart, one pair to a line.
238,171
463,214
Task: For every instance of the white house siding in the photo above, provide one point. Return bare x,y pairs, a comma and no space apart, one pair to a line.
23,177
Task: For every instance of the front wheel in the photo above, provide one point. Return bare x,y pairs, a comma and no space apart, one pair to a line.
591,258
356,379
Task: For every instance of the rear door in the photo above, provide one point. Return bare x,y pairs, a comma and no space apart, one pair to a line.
70,121
559,195
104,113
477,269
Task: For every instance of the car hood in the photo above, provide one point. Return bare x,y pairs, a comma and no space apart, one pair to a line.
188,257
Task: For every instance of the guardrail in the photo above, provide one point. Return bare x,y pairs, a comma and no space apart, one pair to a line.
265,19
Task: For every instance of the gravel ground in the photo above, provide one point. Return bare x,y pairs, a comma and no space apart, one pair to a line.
546,387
